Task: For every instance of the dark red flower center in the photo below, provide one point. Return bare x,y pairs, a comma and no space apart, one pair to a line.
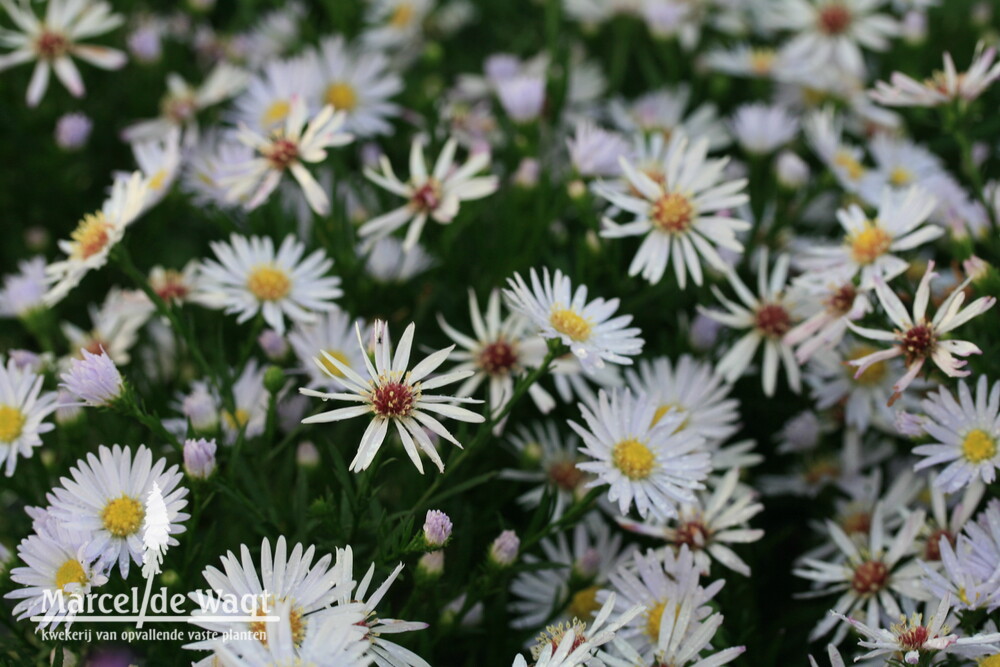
393,399
772,320
870,577
498,358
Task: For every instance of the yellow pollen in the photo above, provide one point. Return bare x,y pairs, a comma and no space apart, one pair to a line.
990,661
275,113
653,618
978,446
672,213
269,283
633,458
761,60
123,516
874,374
237,421
962,595
569,323
855,170
584,603
341,95
900,176
663,410
870,243
295,620
90,235
11,423
402,15
70,572
157,180
328,365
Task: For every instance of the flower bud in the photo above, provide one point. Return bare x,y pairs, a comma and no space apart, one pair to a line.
199,458
200,409
791,170
430,566
306,454
437,528
503,551
94,379
73,131
273,344
274,379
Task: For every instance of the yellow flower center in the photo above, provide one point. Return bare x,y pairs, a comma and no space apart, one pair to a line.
328,365
569,323
663,410
70,572
874,374
11,423
295,620
761,61
900,176
870,243
848,163
584,603
672,213
978,446
237,421
275,113
123,516
653,619
269,283
991,661
157,180
341,95
633,458
402,15
90,235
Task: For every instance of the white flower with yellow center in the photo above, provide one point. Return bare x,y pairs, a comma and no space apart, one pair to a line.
23,409
55,561
106,497
395,24
95,235
560,312
356,81
436,194
287,149
900,164
159,161
943,86
678,213
332,334
52,39
863,399
265,103
250,277
965,433
393,394
250,399
653,466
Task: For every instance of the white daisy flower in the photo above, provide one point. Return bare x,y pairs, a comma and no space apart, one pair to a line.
594,151
665,112
867,578
114,326
899,164
56,561
250,277
499,351
824,130
767,317
250,400
53,39
174,286
549,461
678,215
870,243
968,568
159,160
744,60
943,86
553,306
863,398
23,292
690,389
965,434
434,195
944,526
95,235
286,149
918,339
356,81
267,100
836,301
395,24
332,334
393,394
709,524
761,129
569,644
653,466
23,409
105,498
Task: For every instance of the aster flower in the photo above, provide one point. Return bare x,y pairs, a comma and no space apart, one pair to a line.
744,60
286,149
863,398
53,39
434,195
23,410
568,644
332,334
386,261
114,326
836,301
866,578
23,292
651,464
965,433
870,243
73,130
94,379
918,339
395,24
250,277
665,112
264,105
393,394
944,86
596,152
761,129
559,312
174,286
105,498
250,400
969,565
678,213
767,317
95,236
899,164
159,160
549,461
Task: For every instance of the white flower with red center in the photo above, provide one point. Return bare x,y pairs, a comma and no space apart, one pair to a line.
654,465
917,338
174,286
286,149
53,39
588,328
767,318
870,242
95,235
549,462
678,214
832,32
498,351
869,577
435,194
393,394
943,86
836,300
250,277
